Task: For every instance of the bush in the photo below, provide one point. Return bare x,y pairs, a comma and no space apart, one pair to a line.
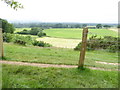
22,40
7,37
24,32
40,34
19,40
108,42
41,44
33,31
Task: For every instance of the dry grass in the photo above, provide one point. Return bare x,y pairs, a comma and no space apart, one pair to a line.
60,42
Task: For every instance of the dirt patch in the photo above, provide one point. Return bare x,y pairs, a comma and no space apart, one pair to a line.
51,65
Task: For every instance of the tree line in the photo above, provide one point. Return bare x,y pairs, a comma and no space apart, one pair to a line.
61,25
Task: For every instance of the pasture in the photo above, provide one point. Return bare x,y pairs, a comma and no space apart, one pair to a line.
77,33
58,56
15,76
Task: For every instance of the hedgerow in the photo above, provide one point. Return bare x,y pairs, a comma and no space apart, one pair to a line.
108,43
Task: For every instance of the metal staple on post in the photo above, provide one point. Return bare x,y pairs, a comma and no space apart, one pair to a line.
83,48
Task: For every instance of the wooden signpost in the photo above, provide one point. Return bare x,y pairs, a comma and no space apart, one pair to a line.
83,48
1,44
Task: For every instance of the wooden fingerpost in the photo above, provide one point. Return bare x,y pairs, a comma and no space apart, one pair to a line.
83,48
1,44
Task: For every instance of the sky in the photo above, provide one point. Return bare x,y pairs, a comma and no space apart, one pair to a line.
80,11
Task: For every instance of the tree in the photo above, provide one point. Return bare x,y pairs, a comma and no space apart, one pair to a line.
99,26
118,26
77,26
84,25
13,4
35,30
106,26
7,27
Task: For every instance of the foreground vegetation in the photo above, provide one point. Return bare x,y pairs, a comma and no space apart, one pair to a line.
58,56
35,77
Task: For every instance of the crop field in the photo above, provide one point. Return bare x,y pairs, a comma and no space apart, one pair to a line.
77,33
60,42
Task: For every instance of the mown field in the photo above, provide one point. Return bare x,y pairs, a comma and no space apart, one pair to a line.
58,56
77,33
34,77
73,33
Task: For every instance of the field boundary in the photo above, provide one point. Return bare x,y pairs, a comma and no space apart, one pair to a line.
51,65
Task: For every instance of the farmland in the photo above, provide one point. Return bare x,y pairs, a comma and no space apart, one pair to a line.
73,33
68,38
62,53
77,33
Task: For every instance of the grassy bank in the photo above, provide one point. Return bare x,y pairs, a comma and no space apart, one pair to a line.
58,56
34,77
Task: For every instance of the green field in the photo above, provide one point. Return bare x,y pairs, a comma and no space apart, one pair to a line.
77,33
74,33
15,76
34,77
58,56
68,37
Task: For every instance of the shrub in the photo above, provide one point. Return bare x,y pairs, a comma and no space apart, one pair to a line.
19,40
24,32
7,37
41,44
35,30
40,34
108,42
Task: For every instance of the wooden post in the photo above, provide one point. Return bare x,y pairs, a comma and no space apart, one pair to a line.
1,44
83,48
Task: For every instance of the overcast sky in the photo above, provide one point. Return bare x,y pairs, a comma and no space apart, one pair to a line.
82,11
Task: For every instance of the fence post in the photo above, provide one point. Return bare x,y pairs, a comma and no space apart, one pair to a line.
1,44
83,48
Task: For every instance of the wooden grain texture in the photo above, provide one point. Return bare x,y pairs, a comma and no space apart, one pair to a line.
83,48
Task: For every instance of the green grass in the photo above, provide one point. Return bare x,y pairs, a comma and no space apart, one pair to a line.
77,33
58,56
35,77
